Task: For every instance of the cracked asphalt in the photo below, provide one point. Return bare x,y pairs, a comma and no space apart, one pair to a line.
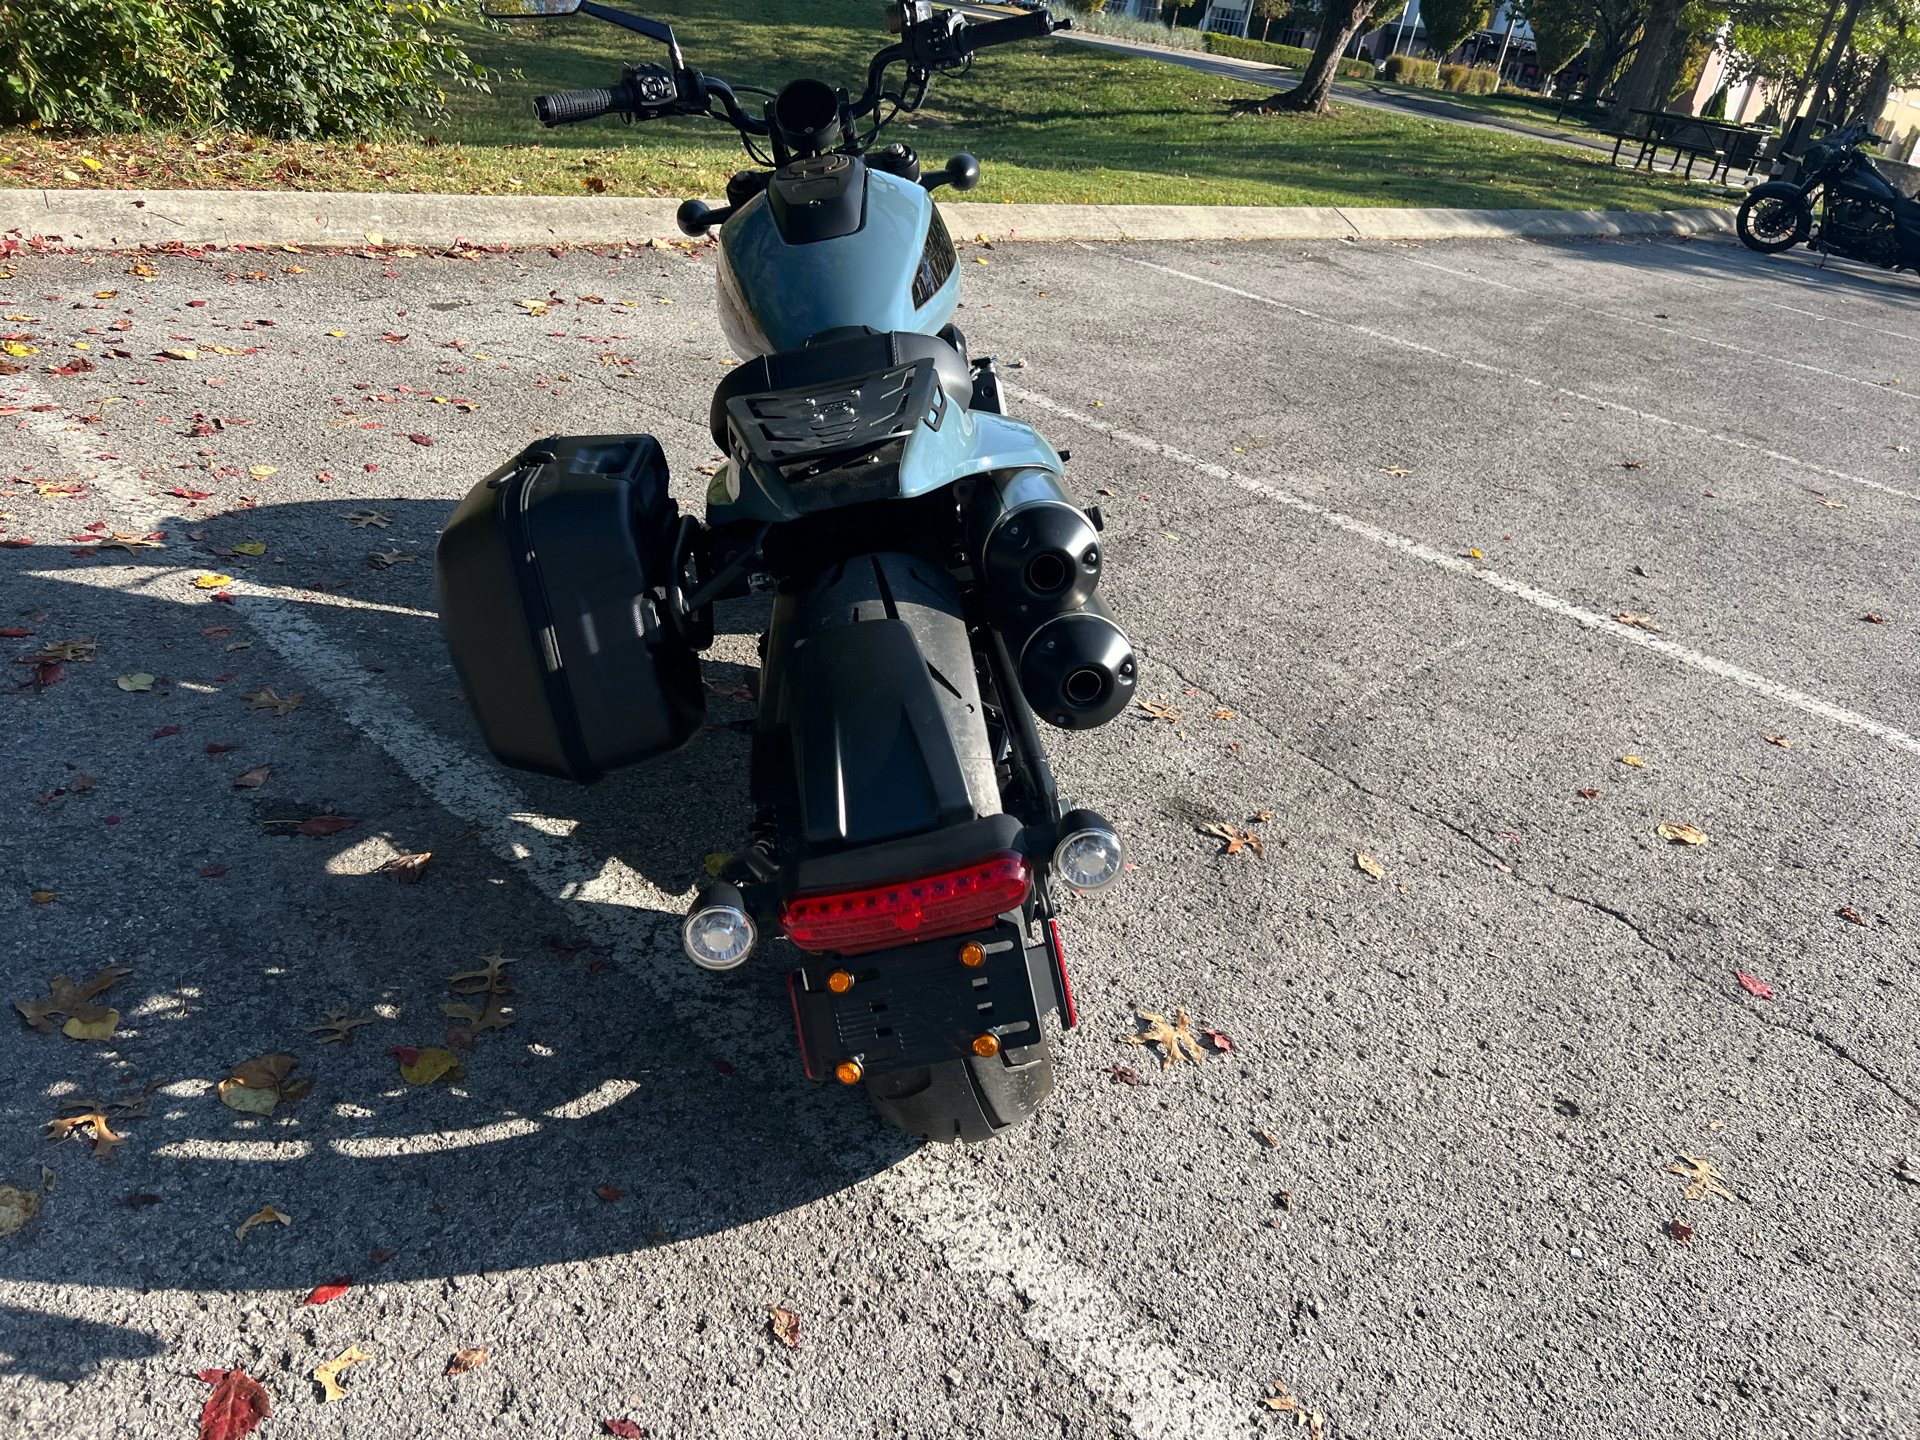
1372,515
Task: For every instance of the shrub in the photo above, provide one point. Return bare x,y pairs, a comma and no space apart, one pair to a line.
1125,27
1405,70
271,67
1482,79
1292,56
1453,77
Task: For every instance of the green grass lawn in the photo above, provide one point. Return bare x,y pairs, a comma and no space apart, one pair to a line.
1050,120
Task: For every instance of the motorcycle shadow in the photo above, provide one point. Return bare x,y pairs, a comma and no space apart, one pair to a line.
633,1102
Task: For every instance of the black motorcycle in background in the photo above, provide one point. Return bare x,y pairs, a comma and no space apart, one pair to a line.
1841,205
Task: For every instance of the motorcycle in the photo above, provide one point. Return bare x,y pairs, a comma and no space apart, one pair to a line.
932,589
1841,206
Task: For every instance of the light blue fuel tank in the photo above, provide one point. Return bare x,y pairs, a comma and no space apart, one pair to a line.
896,272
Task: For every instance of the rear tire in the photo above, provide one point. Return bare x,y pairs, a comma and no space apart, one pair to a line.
968,1101
1771,223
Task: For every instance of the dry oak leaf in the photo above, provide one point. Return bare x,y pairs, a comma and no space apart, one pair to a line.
1681,834
259,1084
407,869
235,1408
337,1028
1225,714
786,1327
387,559
491,980
328,1374
1158,710
266,699
95,1121
1171,1039
1588,793
497,1016
1703,1179
265,1215
471,1358
63,652
1640,622
252,779
71,1000
1782,741
1370,865
17,1206
379,519
1233,840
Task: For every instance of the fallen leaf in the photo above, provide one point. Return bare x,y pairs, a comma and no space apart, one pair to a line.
1224,714
332,1290
1642,622
1782,741
1394,470
407,869
251,547
323,825
1682,834
17,1207
1124,1074
1219,1040
266,699
496,1016
68,999
328,1374
387,559
1680,1230
212,872
137,682
235,1408
1233,840
165,730
1873,619
1372,866
1703,1179
1851,915
1171,1039
1268,1139
379,519
1633,760
421,439
433,1064
181,354
212,582
44,897
265,1215
786,1327
625,1429
1753,986
1158,711
1589,793
337,1028
1830,503
255,1086
101,1029
471,1358
253,779
609,1193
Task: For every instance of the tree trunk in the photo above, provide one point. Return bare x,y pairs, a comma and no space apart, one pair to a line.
1874,98
1338,25
1823,88
1792,107
1640,88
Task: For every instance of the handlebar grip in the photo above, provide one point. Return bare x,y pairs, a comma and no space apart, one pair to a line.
1035,25
571,106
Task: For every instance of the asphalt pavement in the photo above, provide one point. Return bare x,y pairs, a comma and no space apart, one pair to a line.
1480,560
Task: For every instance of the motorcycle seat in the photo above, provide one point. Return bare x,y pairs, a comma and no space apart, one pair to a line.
836,357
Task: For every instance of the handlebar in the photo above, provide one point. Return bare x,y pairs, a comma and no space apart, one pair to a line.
569,106
1034,25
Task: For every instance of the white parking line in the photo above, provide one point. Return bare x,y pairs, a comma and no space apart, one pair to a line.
1685,655
1714,435
1836,320
1751,354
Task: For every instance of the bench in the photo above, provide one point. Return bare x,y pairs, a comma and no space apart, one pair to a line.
1727,146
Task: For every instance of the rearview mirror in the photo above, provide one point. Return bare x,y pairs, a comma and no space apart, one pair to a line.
527,9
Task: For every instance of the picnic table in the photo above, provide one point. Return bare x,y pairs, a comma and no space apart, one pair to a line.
1725,144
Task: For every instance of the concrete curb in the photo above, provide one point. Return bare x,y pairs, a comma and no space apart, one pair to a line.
127,219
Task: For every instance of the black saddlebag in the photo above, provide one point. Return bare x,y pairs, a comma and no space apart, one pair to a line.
551,576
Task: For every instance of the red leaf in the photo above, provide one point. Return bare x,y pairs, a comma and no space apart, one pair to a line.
1124,1074
222,679
724,1067
216,632
16,633
609,1193
212,872
408,1055
332,1290
1680,1230
235,1408
421,439
1219,1041
165,730
186,494
1753,986
625,1429
329,824
220,749
1851,915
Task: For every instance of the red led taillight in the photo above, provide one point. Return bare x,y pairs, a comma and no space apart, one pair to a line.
909,910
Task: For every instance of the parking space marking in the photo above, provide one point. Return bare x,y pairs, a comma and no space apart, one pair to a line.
1493,579
1873,385
1836,320
1714,435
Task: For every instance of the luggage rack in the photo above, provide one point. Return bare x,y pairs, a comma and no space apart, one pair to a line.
839,422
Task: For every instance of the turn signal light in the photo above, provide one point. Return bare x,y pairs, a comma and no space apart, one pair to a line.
972,956
986,1044
848,1072
839,982
926,908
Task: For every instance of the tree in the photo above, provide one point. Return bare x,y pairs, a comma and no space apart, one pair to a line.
1641,88
1340,21
1561,30
1450,23
1268,11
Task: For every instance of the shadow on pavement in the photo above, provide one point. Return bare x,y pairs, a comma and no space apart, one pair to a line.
63,1350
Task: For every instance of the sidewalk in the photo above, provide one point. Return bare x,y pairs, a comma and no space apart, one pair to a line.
129,219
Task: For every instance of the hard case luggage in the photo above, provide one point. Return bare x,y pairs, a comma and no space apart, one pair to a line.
552,576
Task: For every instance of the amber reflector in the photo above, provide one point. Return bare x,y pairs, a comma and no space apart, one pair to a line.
839,982
849,1072
986,1044
972,956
